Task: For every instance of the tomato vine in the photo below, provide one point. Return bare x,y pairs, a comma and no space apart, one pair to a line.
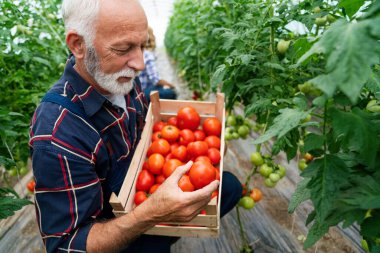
315,90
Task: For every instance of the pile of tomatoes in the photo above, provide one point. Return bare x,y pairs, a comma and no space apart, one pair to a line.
175,142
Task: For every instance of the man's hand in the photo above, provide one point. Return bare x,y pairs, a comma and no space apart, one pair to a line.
170,204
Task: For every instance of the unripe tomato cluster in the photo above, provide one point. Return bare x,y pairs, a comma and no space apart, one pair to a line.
271,171
250,197
237,127
302,163
174,143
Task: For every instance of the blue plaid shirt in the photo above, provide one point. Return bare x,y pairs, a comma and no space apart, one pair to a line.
78,162
149,76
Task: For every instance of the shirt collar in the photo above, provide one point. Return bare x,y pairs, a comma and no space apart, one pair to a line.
92,100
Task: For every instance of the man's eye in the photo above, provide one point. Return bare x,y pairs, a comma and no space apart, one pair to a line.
121,51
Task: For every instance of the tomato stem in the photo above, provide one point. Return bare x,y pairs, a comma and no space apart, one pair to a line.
243,235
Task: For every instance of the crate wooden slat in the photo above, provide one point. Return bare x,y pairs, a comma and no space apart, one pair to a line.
161,109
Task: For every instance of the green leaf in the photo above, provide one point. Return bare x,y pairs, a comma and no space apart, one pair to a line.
310,217
218,75
282,124
313,141
351,6
365,194
349,63
315,233
300,195
331,174
370,226
356,132
10,202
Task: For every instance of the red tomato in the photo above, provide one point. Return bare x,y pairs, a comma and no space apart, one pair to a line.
145,180
217,174
160,146
173,146
214,155
170,133
156,136
145,165
185,184
158,126
31,185
172,121
186,136
256,194
245,189
215,194
187,117
140,197
156,163
160,179
199,135
197,148
170,166
154,188
213,141
169,156
202,211
180,153
212,126
202,158
201,174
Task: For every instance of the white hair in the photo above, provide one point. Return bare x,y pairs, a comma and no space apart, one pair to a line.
81,16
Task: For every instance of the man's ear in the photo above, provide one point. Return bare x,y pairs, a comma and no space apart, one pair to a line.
76,44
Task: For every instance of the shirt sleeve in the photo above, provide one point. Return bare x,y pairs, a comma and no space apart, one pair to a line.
151,69
68,193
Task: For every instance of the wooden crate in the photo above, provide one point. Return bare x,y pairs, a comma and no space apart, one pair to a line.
161,109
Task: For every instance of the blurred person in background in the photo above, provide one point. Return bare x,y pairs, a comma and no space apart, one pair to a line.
149,77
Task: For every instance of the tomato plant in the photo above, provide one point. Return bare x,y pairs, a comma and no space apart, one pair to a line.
318,86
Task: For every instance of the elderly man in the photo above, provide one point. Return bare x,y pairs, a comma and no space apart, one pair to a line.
84,133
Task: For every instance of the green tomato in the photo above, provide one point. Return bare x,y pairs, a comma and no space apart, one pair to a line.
12,172
305,87
317,9
248,123
257,159
331,18
368,214
306,119
228,136
235,135
265,170
243,131
239,120
269,183
372,106
365,245
281,171
229,130
23,171
274,177
231,120
302,164
321,21
282,46
247,202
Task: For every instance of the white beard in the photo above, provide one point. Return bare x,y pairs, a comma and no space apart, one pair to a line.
108,81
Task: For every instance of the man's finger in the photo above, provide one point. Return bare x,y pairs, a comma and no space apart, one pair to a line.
205,191
179,171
